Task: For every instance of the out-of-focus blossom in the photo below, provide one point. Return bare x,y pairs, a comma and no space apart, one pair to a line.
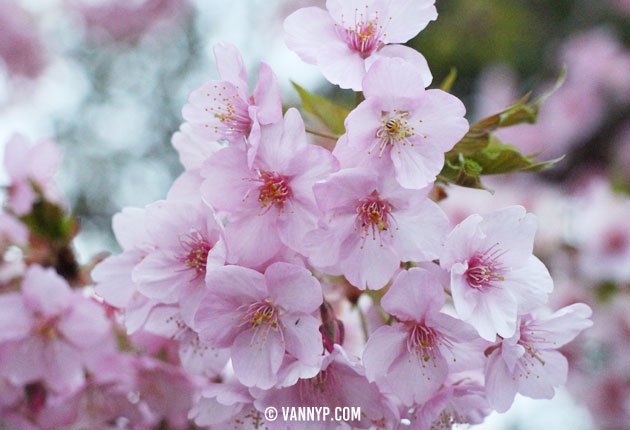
349,36
461,402
21,50
494,276
31,167
122,19
50,333
602,233
340,383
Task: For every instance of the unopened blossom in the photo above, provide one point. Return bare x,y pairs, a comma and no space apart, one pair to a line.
528,362
494,276
339,383
261,317
412,357
349,36
401,124
223,109
49,333
31,167
187,243
370,225
460,402
269,205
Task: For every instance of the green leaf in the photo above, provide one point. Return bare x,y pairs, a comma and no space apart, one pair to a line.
479,152
49,221
331,114
448,82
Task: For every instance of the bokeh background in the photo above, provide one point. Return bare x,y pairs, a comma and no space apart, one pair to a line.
107,80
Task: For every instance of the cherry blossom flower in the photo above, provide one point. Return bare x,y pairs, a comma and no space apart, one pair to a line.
528,362
412,357
270,205
494,276
349,36
31,167
50,333
21,49
340,382
402,124
227,406
113,276
461,402
370,225
223,109
188,243
261,317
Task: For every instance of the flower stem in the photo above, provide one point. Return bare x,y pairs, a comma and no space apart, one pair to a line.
327,136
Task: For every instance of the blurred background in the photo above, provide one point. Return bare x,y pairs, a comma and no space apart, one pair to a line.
107,79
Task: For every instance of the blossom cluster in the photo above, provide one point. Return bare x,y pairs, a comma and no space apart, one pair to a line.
280,273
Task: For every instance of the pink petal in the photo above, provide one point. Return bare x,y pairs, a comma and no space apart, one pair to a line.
267,96
86,325
113,278
413,294
129,228
293,287
15,319
530,284
500,387
408,18
371,267
341,65
226,185
45,291
407,54
230,65
306,30
302,338
391,78
256,362
382,348
421,232
253,240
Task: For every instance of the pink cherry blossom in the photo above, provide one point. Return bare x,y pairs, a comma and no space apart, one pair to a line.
349,36
494,276
261,317
461,402
122,19
402,124
371,224
227,406
412,357
113,276
340,382
528,362
188,243
50,333
21,49
30,165
223,110
270,205
12,230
